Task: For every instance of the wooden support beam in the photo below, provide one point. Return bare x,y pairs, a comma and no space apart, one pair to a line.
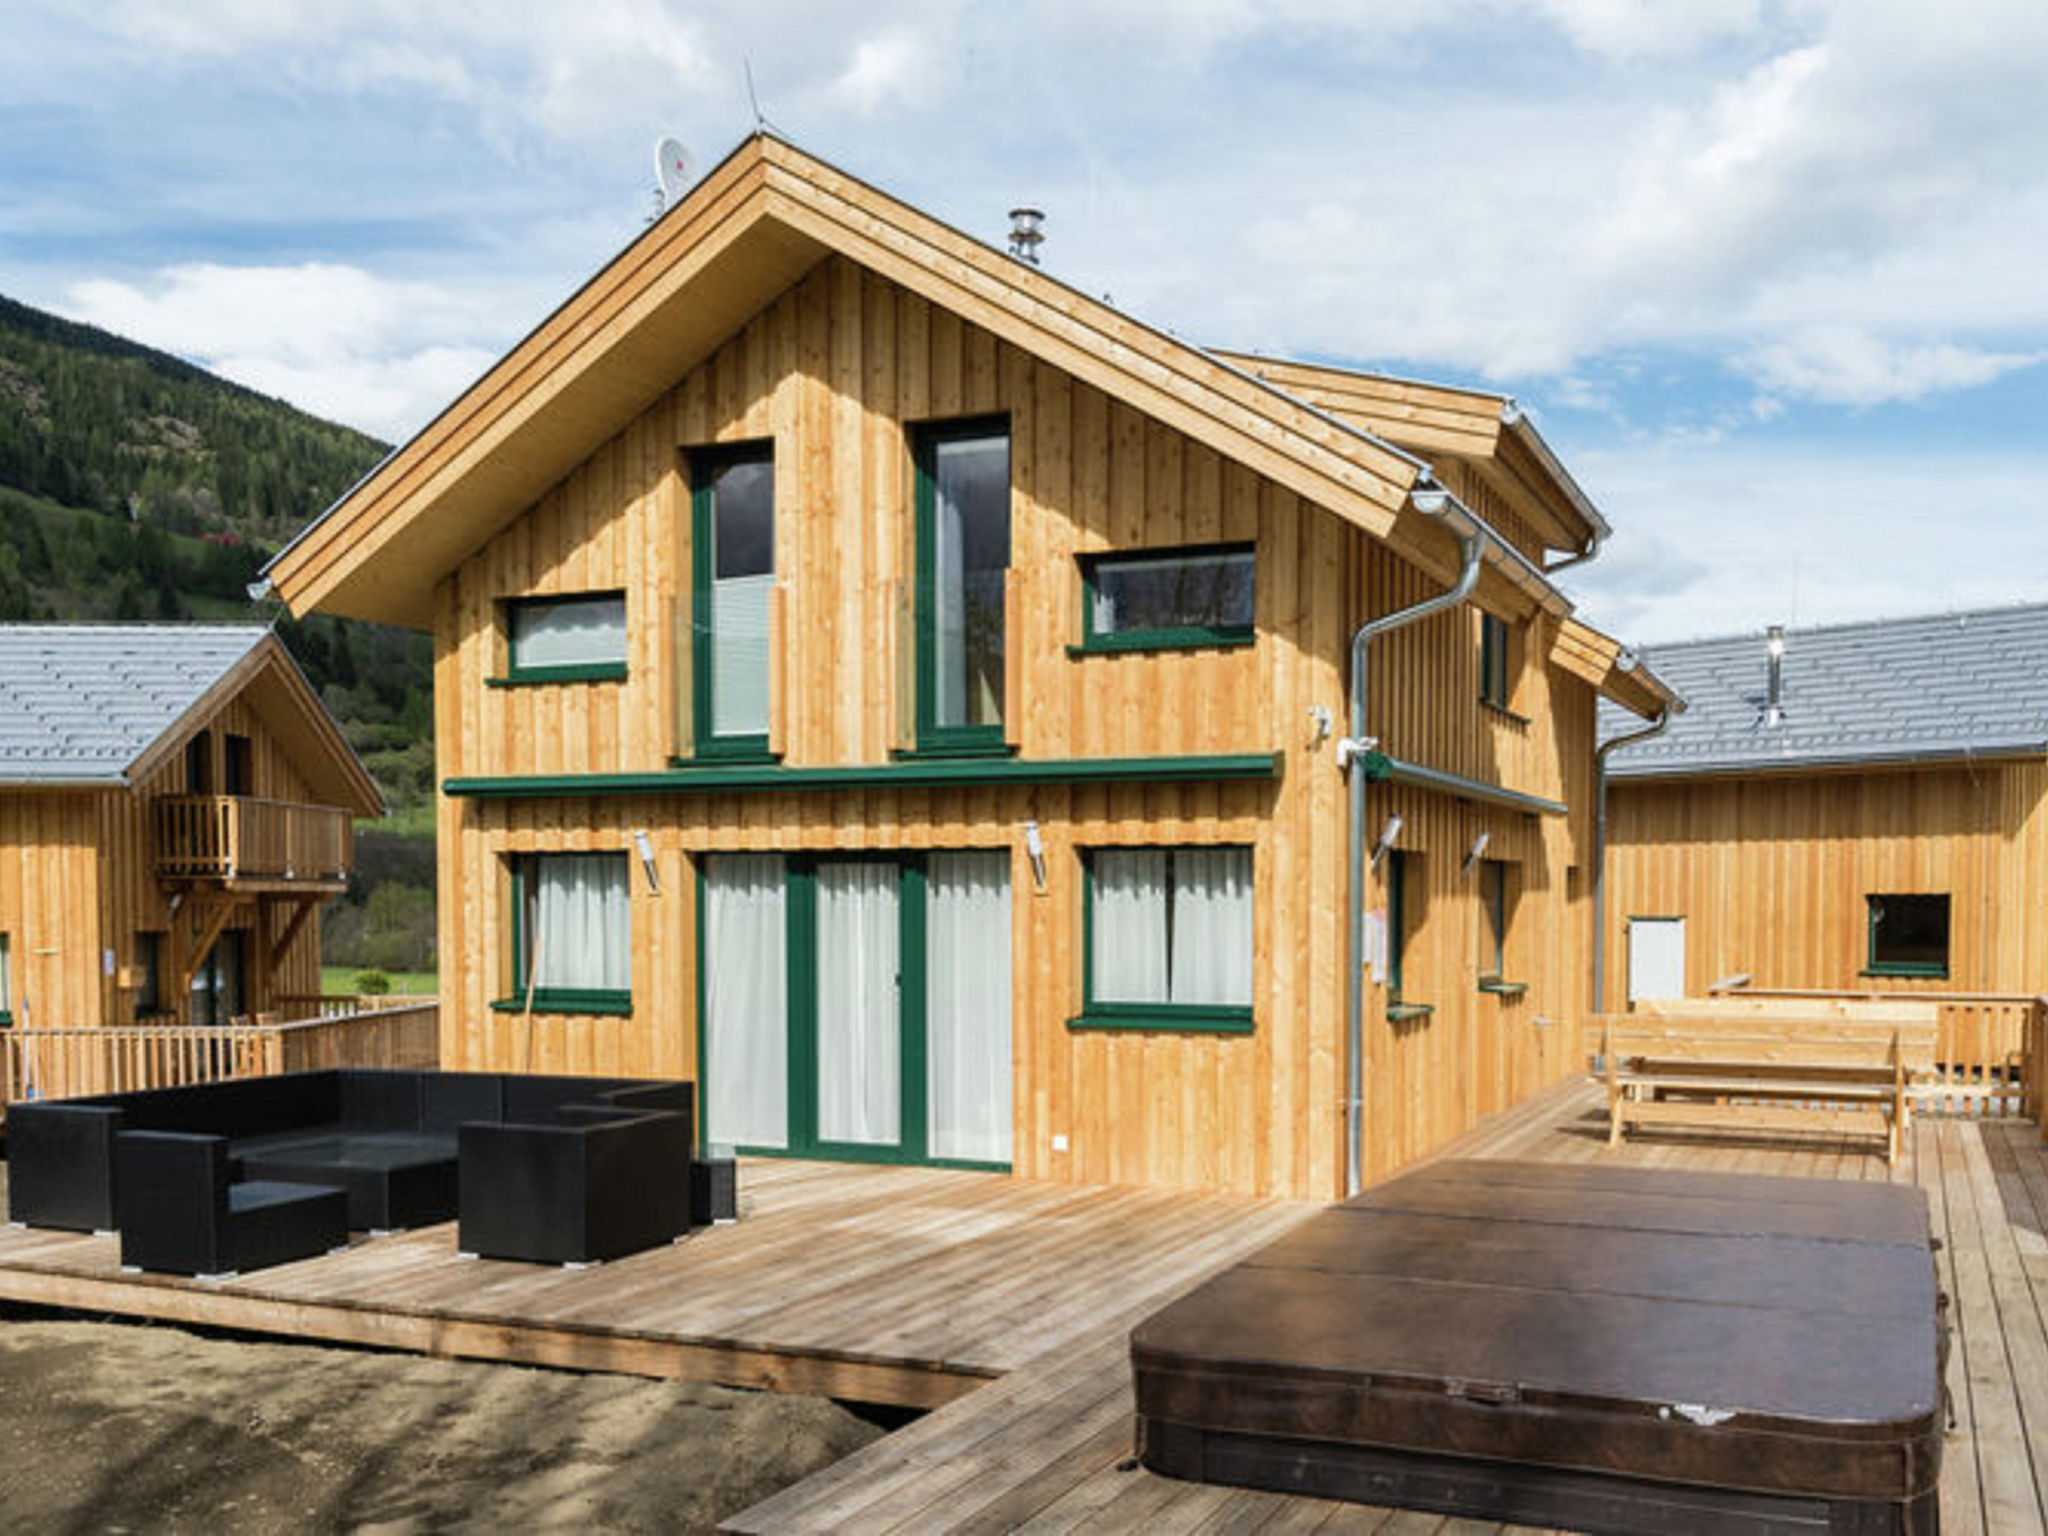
303,908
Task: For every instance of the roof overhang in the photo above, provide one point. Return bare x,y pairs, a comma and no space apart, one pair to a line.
741,236
271,682
1614,671
1486,432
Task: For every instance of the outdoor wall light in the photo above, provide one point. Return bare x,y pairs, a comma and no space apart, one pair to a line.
1388,833
1034,849
1476,852
645,845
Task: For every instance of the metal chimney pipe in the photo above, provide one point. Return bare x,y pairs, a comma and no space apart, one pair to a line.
1774,698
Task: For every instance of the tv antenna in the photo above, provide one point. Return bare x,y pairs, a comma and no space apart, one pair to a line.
674,170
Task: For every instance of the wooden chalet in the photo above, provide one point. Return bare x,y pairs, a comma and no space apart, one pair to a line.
911,697
175,805
1857,807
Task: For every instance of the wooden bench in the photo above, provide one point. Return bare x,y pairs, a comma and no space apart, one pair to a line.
1850,1067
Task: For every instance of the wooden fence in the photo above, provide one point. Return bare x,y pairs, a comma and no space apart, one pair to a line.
1988,1053
60,1063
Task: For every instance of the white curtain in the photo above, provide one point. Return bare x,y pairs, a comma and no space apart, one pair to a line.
859,1017
968,1006
739,655
1127,913
576,632
746,1002
579,935
1212,926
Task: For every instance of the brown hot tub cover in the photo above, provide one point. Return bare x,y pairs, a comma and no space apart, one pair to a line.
1610,1349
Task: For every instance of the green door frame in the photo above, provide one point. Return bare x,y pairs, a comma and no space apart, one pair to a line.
800,914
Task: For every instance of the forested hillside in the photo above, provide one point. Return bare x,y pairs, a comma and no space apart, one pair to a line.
134,485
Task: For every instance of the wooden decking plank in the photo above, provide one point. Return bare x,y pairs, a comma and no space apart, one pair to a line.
2020,1327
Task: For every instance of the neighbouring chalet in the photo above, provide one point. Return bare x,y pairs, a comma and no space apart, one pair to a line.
913,697
1861,806
175,805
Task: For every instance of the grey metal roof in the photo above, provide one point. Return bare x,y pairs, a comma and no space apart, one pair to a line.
1890,690
79,703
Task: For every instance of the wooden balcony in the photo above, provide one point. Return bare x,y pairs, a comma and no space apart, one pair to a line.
243,841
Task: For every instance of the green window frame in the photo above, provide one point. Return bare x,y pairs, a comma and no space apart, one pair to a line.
962,617
6,982
537,652
1908,934
1196,596
149,986
1497,899
592,985
725,483
1400,868
1496,680
1178,872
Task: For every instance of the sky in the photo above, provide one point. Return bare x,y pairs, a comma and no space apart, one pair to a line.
1771,276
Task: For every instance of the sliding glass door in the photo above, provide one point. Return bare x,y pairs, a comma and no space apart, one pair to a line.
858,1007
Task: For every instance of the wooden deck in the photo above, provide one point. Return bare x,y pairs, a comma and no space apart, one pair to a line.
910,1286
1048,1448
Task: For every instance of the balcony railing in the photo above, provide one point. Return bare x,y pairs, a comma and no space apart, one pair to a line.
60,1063
236,837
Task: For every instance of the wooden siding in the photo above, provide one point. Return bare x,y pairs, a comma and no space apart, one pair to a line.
1771,872
78,879
832,373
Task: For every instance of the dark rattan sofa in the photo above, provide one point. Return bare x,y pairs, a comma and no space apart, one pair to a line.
393,1142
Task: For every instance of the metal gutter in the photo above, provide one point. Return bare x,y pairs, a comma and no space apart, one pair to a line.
1656,727
1516,420
1378,766
1352,753
1750,767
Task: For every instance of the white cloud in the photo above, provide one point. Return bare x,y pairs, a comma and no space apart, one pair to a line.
1627,29
1718,539
883,69
334,340
1846,366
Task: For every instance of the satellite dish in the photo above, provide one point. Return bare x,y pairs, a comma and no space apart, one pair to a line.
674,169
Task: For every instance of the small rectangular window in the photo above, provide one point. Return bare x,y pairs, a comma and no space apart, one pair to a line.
149,996
571,933
1406,894
239,760
566,639
963,563
1160,599
199,764
6,983
1169,939
1496,919
1909,935
1496,676
733,562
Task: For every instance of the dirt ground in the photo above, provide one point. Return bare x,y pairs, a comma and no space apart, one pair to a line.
109,1426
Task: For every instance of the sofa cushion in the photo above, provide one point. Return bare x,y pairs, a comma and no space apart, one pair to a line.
532,1099
450,1098
388,1101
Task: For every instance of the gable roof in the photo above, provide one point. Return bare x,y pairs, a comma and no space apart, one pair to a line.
101,705
1889,691
1487,431
745,233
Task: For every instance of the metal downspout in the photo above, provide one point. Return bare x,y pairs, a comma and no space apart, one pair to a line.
1471,545
1628,738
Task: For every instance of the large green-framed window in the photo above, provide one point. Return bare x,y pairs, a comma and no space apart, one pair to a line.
1168,939
1496,672
6,983
1162,599
571,933
732,557
573,639
963,561
1909,935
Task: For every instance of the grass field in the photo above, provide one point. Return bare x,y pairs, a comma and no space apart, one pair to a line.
340,981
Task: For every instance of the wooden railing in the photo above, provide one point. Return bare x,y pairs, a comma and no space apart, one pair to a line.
1987,1054
238,837
61,1063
